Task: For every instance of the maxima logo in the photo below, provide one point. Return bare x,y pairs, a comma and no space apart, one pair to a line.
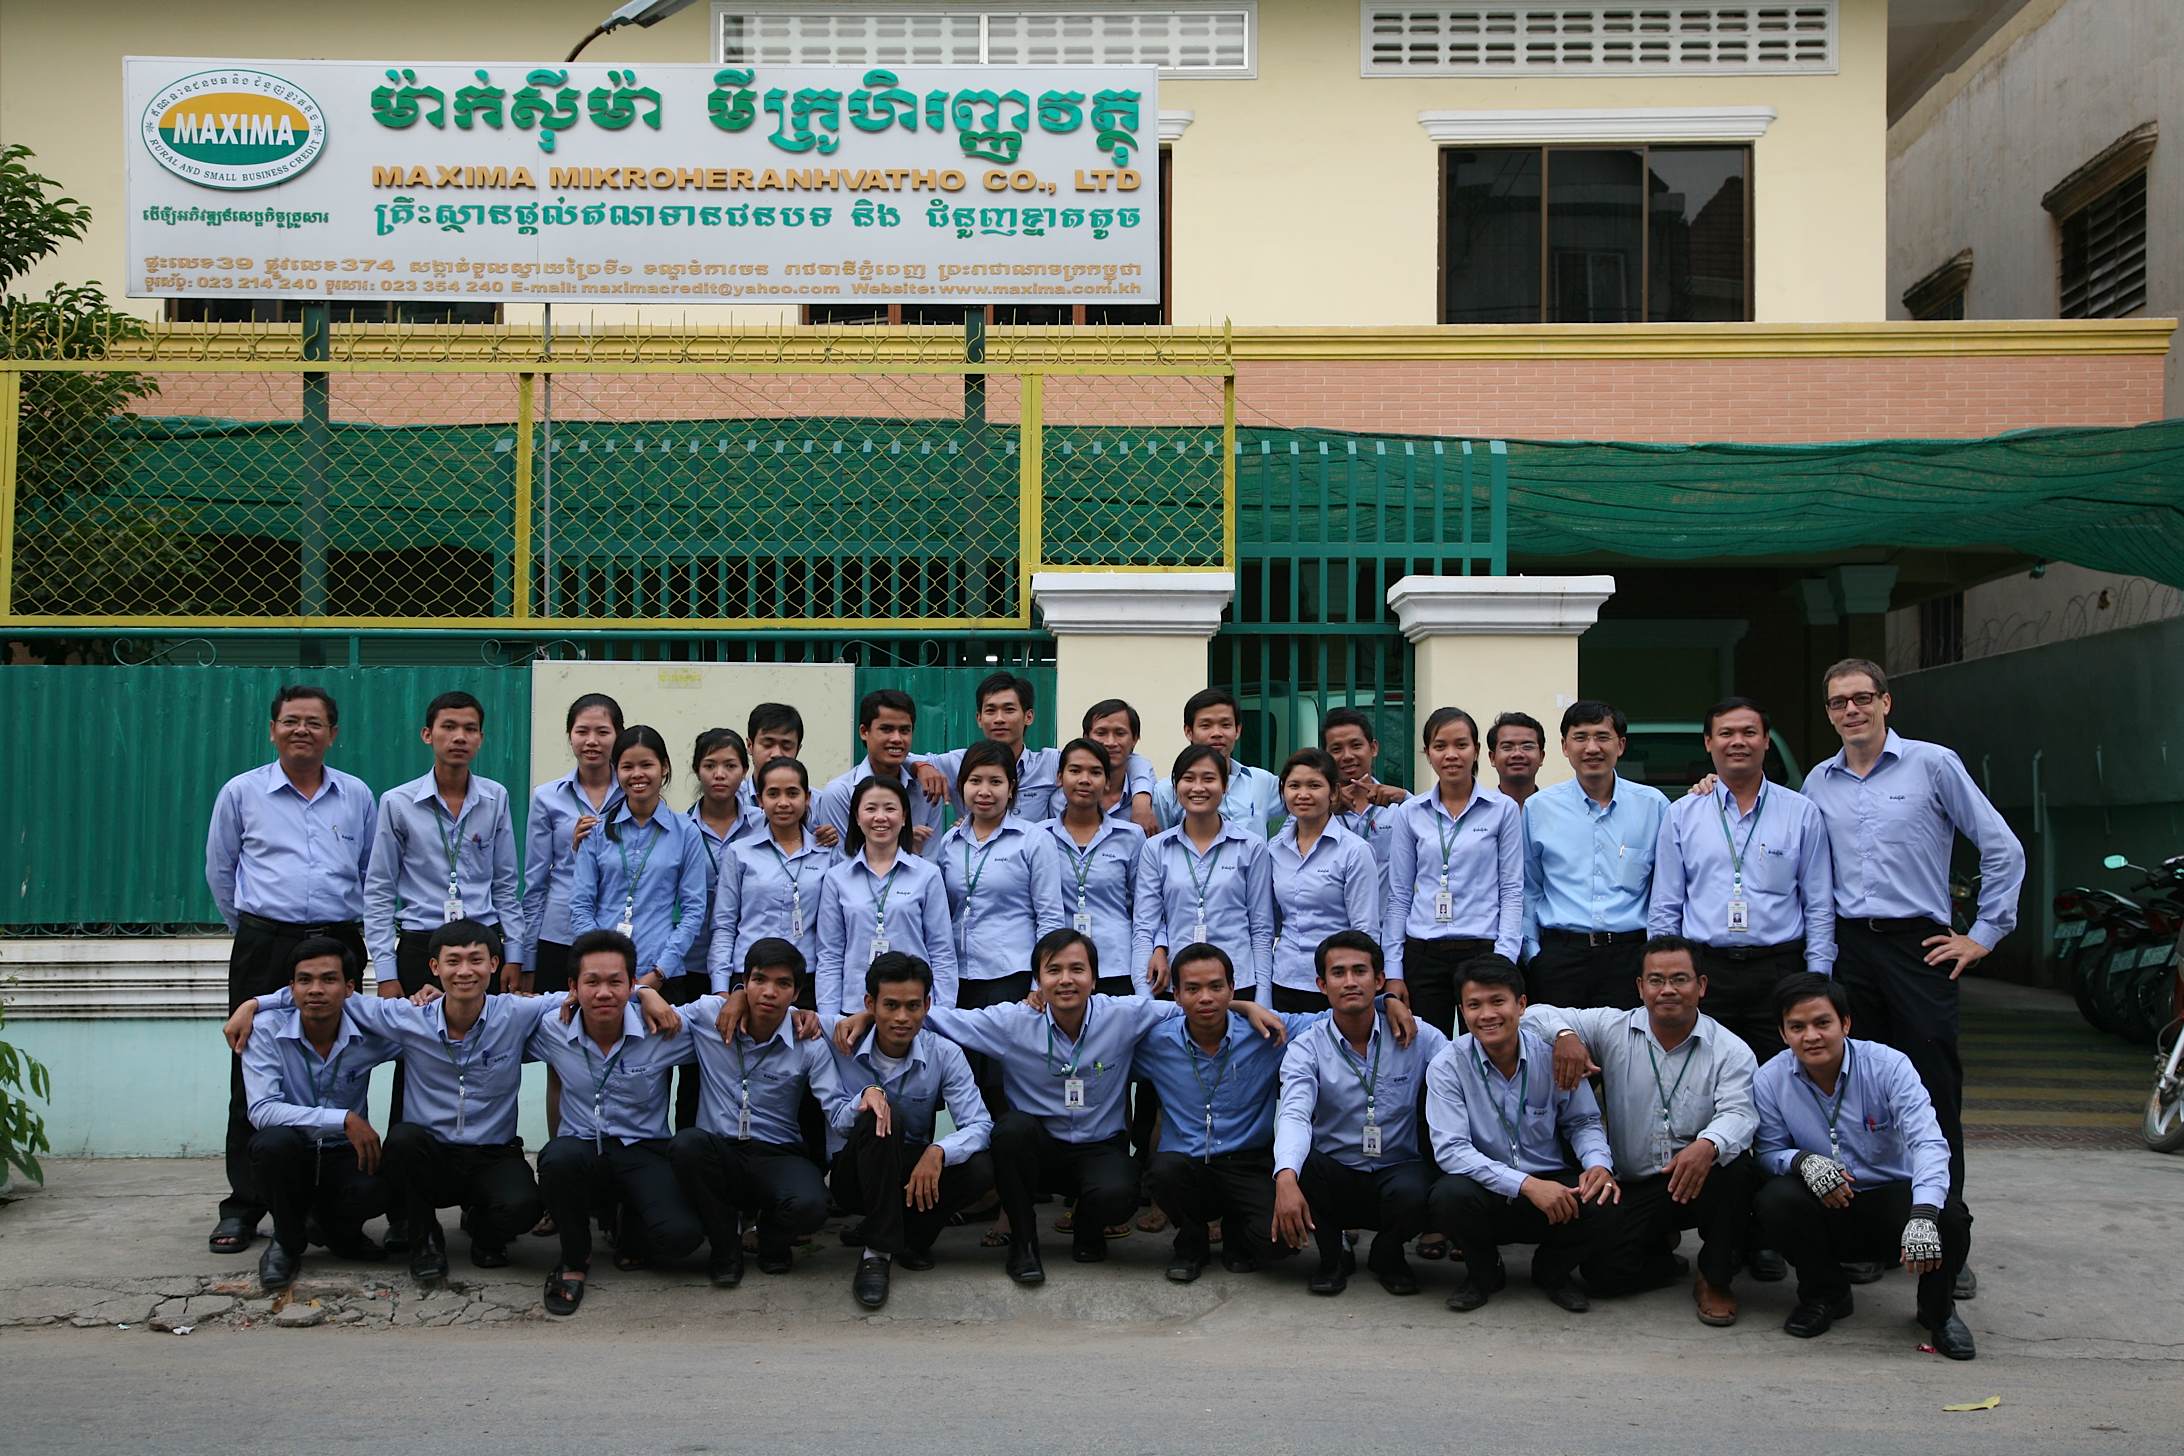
234,130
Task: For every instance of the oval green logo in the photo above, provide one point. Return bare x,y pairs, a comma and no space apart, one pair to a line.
234,130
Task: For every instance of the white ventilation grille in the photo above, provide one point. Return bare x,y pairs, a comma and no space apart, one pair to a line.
1183,40
1411,40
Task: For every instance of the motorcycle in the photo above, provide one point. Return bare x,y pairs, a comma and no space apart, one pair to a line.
2131,991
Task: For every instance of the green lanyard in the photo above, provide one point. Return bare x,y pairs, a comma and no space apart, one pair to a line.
1501,1110
1668,1097
1835,1113
1356,1065
795,877
1076,1056
599,1088
1082,862
879,898
630,880
1736,856
1448,840
971,876
1198,886
1220,1074
461,1065
743,1074
452,843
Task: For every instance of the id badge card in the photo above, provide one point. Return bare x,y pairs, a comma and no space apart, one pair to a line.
743,1123
796,918
1371,1140
453,909
625,926
879,946
1740,916
1444,907
1081,922
1198,933
1073,1094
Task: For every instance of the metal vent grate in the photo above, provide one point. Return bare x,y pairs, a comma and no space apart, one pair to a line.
1190,40
2104,253
1409,40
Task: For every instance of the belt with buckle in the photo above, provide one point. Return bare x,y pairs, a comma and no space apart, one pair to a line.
1906,925
1757,952
282,927
1554,935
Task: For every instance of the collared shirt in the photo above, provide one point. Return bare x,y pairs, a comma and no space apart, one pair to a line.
1326,1087
935,1073
621,1093
1335,887
1885,1126
406,887
461,1091
768,1077
749,824
651,873
1499,1130
1230,888
1235,1086
1038,792
1038,1059
286,1083
1017,896
1789,886
1588,868
1372,824
831,806
764,892
1137,778
1706,1081
549,860
1100,881
909,904
1253,800
1893,829
1478,858
272,853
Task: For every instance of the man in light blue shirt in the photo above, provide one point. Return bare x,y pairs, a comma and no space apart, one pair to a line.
285,858
1860,1170
314,1153
1347,1146
1744,870
1499,1124
1588,868
1004,713
886,718
1893,807
1254,799
1366,806
1115,726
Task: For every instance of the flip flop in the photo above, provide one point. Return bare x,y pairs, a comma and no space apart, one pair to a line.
1152,1221
1438,1249
231,1236
1117,1230
993,1238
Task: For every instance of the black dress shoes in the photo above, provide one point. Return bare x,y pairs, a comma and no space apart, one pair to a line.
354,1244
1333,1275
1863,1271
726,1269
1185,1269
1467,1297
428,1259
917,1261
488,1256
1816,1317
1024,1264
277,1267
1394,1274
1767,1266
1566,1296
1951,1338
1089,1252
1967,1284
869,1284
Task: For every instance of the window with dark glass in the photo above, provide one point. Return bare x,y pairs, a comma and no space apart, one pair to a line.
1595,235
2104,253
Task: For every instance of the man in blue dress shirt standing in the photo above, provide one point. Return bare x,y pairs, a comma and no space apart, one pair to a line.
285,857
1859,1167
1254,799
1893,808
886,719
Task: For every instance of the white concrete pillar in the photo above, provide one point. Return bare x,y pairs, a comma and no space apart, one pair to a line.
1490,644
1139,635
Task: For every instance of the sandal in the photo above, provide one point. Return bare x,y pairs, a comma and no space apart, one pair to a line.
544,1228
1437,1249
1213,1231
1066,1222
563,1293
1118,1230
629,1263
993,1238
231,1236
1152,1221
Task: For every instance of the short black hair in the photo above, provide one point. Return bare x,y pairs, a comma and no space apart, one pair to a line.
1801,986
774,718
1054,942
1093,746
597,940
897,965
986,753
1206,698
884,700
1514,719
1587,711
1440,718
1194,754
452,703
1107,708
313,947
1734,705
772,953
1199,950
294,691
1490,970
1347,718
1348,940
464,931
1004,682
1667,944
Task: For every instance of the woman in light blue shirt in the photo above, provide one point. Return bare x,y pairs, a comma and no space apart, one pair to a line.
1096,853
1325,879
721,762
881,899
1003,882
643,872
563,812
1205,880
769,880
1455,875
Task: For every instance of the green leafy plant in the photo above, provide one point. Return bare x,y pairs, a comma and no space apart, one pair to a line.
22,1130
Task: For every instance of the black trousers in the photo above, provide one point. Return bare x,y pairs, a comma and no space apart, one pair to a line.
298,1179
1740,986
1029,1160
1297,1003
1818,1240
490,1181
1569,972
1236,1188
724,1179
1480,1221
681,991
1391,1201
1429,967
550,971
871,1172
1722,1213
634,1182
258,966
413,969
1900,1001
975,996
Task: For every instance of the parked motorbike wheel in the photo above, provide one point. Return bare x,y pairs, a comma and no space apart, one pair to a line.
2164,1125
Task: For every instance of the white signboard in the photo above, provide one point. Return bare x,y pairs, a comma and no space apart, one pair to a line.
519,182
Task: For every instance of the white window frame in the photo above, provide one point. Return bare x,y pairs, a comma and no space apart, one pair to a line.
1832,66
722,9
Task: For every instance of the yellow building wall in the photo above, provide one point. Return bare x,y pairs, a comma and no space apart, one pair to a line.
1309,195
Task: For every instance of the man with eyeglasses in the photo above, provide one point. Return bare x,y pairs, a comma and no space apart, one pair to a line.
1680,1124
1893,807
